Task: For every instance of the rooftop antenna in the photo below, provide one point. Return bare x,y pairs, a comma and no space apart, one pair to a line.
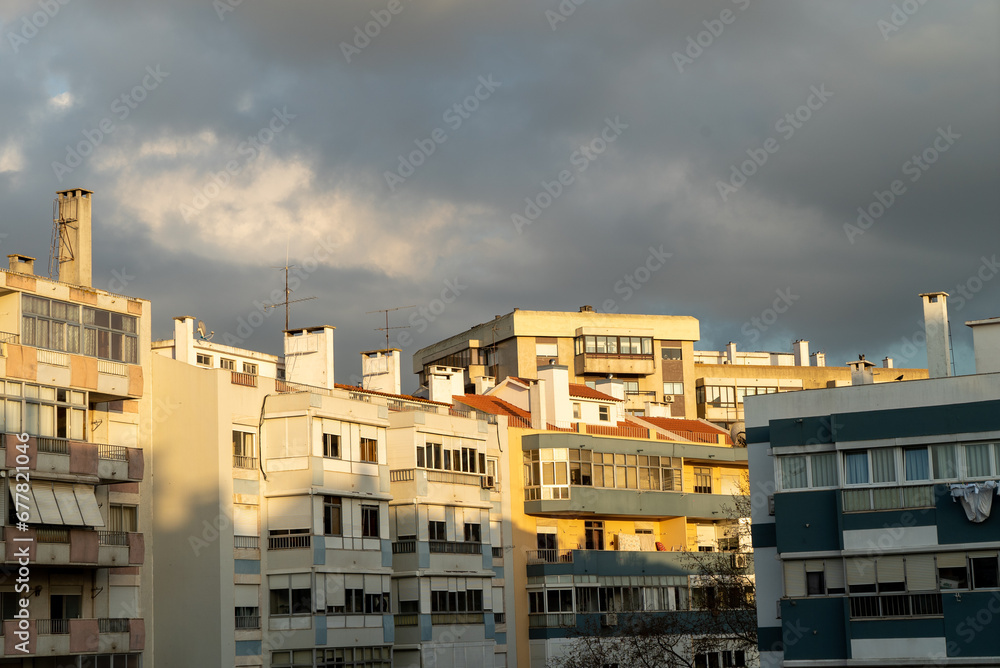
387,327
201,332
288,292
63,214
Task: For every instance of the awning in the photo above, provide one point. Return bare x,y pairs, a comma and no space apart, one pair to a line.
61,503
21,505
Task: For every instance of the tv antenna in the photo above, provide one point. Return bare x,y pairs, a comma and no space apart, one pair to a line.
387,327
288,292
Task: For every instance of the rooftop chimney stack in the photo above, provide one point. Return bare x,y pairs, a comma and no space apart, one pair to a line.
22,264
937,334
557,403
820,358
986,344
380,370
309,356
731,352
801,351
887,363
861,372
184,339
444,382
73,217
484,383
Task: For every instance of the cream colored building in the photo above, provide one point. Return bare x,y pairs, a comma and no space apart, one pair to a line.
75,383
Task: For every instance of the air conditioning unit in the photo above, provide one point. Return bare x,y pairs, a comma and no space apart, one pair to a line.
739,560
610,619
489,482
668,399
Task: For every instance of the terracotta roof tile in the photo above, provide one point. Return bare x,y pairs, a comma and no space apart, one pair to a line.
674,424
585,392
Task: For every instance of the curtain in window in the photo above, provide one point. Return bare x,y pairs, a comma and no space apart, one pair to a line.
943,458
884,465
917,464
856,467
793,472
824,470
977,460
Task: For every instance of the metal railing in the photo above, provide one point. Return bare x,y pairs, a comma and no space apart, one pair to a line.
404,547
289,542
118,538
246,542
244,462
403,406
251,622
455,547
499,617
406,619
457,618
116,452
112,625
52,627
9,337
896,605
244,379
498,553
550,556
360,396
47,535
455,477
696,436
58,446
626,431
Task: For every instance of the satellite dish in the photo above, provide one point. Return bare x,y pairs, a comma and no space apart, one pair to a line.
201,331
739,433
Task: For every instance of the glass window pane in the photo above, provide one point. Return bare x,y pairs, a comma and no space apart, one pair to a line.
856,467
917,464
943,458
977,460
824,470
793,472
884,465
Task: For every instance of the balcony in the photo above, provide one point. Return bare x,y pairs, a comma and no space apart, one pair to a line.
72,546
457,618
538,620
610,503
605,363
244,379
289,542
455,547
550,556
248,623
406,620
607,562
246,542
896,605
64,456
64,637
245,462
404,547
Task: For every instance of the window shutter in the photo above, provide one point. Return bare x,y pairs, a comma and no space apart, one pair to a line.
834,574
860,571
890,569
951,560
334,589
795,579
814,566
920,575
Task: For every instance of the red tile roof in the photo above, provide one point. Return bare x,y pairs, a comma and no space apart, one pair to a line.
492,405
674,424
585,392
406,397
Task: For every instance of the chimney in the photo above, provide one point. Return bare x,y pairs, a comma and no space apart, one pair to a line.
731,352
887,363
484,383
587,308
819,359
557,403
73,215
309,356
986,344
380,370
801,351
937,334
444,382
537,405
22,264
861,372
184,339
609,385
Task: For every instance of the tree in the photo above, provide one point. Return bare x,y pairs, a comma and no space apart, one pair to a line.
718,615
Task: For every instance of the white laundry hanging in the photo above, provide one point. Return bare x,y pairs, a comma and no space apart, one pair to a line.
976,497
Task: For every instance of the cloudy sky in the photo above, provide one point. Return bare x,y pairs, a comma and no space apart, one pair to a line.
693,158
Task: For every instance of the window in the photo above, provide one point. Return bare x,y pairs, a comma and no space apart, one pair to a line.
536,601
288,601
247,617
613,345
719,396
203,360
226,363
670,353
473,533
47,411
547,350
369,521
56,325
977,460
576,410
604,413
436,531
244,450
250,368
420,457
331,446
815,584
984,572
943,460
463,601
354,601
594,535
883,465
369,450
725,659
702,480
432,456
673,388
123,518
332,516
916,464
631,386
856,468
376,604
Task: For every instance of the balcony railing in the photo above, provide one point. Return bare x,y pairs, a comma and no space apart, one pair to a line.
550,556
8,337
404,547
896,605
47,535
498,553
457,618
52,627
454,547
499,618
401,475
551,620
887,498
289,542
118,538
406,619
244,379
115,452
455,477
403,406
246,542
59,446
112,625
244,462
252,622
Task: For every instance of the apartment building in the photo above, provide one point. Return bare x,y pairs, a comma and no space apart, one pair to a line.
75,586
874,535
651,354
604,515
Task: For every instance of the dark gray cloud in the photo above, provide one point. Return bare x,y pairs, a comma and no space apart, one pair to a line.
308,128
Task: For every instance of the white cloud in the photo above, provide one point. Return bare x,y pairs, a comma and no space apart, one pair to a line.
11,158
